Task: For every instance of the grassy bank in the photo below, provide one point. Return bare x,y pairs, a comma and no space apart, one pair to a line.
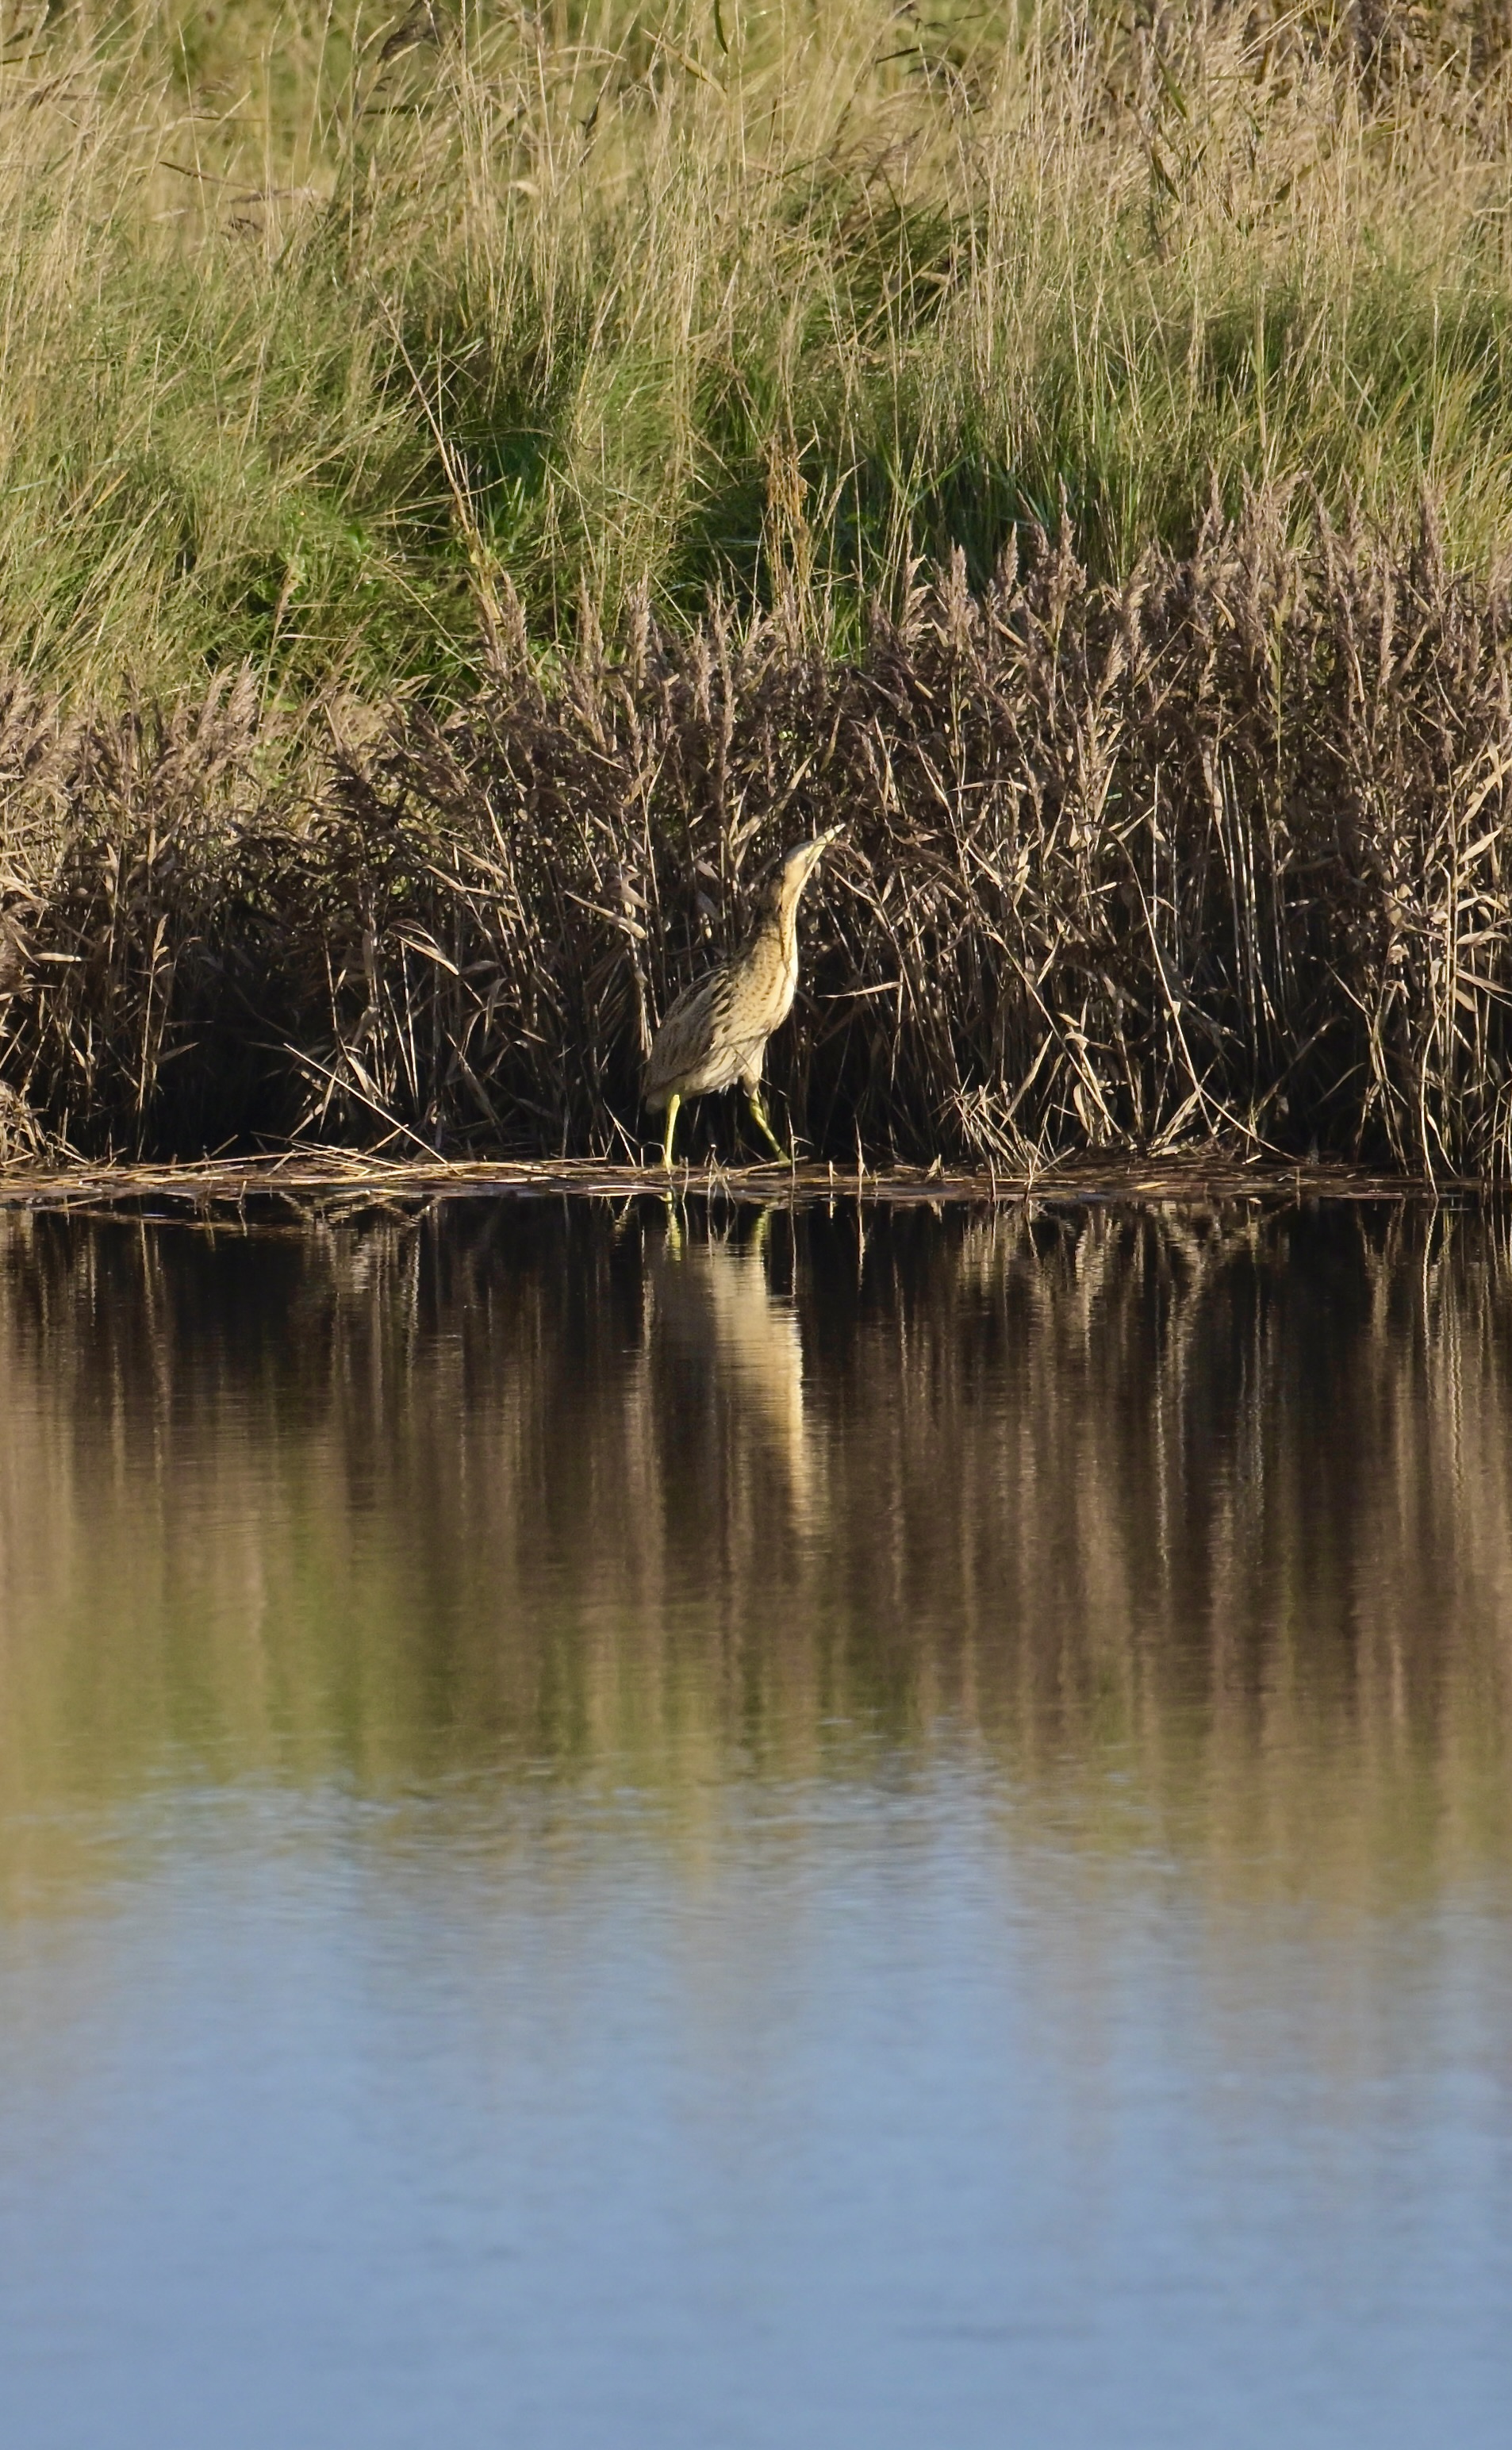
1218,853
513,448
320,324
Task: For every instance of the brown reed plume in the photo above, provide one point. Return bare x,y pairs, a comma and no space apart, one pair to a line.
1221,854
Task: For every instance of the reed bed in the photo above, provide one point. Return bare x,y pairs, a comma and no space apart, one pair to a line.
1215,856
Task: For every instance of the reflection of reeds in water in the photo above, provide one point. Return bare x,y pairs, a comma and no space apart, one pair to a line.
1189,1533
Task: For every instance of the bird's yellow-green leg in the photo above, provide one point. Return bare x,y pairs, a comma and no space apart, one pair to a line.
672,1104
782,1156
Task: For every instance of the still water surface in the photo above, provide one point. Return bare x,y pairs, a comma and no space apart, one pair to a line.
617,1837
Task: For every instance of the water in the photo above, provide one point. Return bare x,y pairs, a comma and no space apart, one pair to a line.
611,1838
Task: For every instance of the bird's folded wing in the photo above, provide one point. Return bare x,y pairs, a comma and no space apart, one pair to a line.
686,1038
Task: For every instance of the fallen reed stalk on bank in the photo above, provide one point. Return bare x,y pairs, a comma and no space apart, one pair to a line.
1220,854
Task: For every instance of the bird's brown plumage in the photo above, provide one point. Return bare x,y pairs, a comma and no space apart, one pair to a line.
716,1033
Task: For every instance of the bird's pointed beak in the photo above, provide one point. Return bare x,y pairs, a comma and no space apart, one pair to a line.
805,857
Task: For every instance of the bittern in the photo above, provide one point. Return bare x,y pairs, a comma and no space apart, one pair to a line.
716,1033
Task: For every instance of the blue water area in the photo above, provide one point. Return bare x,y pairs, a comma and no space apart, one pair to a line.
615,1832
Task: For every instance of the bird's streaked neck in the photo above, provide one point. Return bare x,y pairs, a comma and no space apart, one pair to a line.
786,918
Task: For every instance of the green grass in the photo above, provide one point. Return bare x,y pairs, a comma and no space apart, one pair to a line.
321,328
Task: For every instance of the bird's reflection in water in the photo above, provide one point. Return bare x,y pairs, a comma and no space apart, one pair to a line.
732,1346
